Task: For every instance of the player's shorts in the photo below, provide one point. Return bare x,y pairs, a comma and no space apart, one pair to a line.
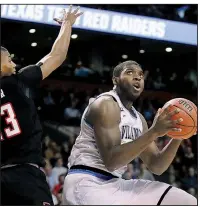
24,185
91,188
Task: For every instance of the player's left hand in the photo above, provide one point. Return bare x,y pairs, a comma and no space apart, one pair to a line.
70,16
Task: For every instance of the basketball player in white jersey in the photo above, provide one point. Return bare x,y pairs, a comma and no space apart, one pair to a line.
112,134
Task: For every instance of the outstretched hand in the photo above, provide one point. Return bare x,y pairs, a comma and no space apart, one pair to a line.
69,16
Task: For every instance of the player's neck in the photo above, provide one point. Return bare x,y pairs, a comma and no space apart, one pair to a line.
127,103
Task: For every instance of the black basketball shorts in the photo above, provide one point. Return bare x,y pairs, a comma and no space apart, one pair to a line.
24,185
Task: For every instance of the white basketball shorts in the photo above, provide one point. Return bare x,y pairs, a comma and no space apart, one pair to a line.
87,189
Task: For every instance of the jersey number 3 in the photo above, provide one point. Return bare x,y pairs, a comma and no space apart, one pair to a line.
13,128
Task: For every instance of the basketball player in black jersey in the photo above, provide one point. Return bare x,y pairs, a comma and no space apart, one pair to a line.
22,181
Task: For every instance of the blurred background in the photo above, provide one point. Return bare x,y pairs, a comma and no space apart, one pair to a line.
161,38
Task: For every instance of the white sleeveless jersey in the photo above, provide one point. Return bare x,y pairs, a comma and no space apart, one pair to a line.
85,151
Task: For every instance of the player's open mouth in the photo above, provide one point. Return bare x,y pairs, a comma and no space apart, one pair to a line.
136,86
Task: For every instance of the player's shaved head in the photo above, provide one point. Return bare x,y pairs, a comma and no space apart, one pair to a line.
119,68
3,49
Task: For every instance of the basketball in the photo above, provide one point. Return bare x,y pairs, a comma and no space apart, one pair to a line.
188,112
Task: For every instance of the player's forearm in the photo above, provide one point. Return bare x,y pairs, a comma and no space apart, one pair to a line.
124,154
162,161
61,44
59,51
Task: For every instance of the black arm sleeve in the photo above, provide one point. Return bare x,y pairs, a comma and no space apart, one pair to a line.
30,75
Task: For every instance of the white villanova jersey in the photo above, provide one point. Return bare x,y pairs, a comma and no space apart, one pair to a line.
85,151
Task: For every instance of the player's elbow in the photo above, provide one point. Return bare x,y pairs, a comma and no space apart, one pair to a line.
110,168
156,170
109,165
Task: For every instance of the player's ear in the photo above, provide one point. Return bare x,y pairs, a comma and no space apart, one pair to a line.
115,81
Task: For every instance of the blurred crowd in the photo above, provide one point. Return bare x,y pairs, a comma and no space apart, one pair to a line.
56,158
159,79
185,13
156,79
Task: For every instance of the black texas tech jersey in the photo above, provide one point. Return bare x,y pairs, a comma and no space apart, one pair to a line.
21,132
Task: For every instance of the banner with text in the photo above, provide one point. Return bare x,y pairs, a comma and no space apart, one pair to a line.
107,21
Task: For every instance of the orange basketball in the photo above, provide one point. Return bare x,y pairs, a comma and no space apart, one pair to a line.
188,112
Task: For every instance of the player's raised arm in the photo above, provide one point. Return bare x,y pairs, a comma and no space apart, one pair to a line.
60,47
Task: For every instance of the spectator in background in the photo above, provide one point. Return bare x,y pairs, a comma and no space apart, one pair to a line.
131,171
160,143
178,163
65,152
189,159
51,150
191,77
59,198
149,110
130,168
192,191
172,181
183,171
81,71
145,174
127,175
172,170
158,83
190,180
51,178
48,99
59,187
72,112
59,169
136,166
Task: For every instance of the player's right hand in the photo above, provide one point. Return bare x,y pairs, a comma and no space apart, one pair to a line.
163,123
69,16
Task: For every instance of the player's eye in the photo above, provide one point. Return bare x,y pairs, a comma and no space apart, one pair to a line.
130,72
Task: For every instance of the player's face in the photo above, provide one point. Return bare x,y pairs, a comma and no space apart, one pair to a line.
131,81
7,65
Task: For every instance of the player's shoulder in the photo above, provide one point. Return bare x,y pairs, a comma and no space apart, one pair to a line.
104,110
104,102
104,107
